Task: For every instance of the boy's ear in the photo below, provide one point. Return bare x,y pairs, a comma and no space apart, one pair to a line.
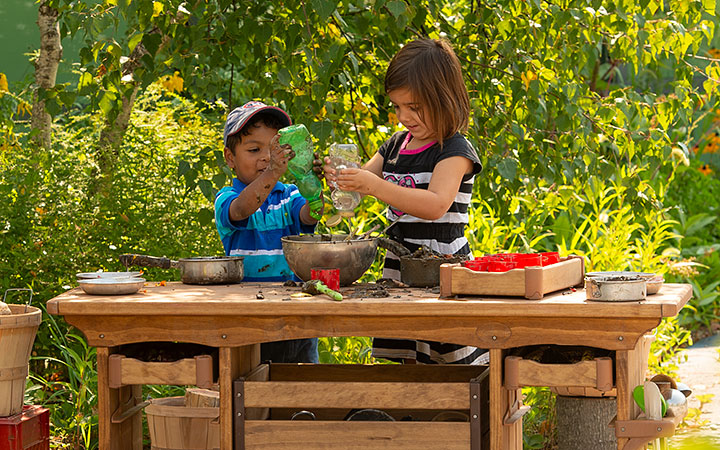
229,157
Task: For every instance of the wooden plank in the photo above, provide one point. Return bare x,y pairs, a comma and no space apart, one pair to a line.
531,373
106,406
240,300
478,331
311,435
128,434
375,373
234,362
180,372
563,275
498,400
466,281
289,394
624,390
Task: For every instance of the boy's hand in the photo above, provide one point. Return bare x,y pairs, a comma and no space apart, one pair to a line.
318,166
280,155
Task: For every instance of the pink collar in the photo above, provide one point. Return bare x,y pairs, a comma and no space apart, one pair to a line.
404,151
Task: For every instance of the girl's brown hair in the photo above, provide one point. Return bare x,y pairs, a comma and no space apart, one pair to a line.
431,71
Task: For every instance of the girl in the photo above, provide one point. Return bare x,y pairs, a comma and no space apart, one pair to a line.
424,174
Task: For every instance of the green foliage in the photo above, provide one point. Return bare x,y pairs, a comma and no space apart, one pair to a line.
65,380
340,350
51,229
539,431
583,114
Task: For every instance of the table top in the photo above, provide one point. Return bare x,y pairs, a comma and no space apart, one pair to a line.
274,299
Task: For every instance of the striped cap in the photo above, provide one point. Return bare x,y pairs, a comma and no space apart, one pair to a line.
239,116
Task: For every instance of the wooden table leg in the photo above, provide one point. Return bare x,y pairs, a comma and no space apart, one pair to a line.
234,362
630,368
121,436
502,437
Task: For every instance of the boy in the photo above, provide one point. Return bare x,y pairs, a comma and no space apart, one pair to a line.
255,212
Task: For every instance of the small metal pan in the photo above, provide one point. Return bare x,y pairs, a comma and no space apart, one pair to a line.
198,270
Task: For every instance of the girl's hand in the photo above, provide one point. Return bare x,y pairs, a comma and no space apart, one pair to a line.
330,173
358,180
280,155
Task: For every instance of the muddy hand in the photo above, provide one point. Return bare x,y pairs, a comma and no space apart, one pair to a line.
318,166
280,155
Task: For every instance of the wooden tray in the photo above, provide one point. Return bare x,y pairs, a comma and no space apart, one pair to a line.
531,282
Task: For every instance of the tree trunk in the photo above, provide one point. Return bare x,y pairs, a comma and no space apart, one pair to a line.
112,133
583,423
46,67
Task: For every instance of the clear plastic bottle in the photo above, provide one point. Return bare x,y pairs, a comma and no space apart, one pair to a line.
343,156
301,166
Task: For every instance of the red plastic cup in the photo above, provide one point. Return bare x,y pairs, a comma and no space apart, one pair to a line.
478,265
528,260
329,276
501,265
550,258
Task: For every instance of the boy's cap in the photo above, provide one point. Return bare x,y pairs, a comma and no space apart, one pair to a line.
239,116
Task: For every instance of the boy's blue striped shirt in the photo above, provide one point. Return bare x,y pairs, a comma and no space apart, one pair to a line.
257,238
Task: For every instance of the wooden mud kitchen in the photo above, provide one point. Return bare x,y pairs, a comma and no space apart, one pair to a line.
258,400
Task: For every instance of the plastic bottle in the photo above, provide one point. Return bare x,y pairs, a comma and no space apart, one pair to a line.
301,166
343,156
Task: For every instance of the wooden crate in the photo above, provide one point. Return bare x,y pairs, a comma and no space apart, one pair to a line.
265,400
197,371
530,282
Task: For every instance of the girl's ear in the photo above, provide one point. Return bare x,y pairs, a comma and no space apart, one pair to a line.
229,157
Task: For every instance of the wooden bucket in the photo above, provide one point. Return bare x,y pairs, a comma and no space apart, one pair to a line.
174,426
17,335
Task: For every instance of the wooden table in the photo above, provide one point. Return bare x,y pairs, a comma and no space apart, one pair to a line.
236,318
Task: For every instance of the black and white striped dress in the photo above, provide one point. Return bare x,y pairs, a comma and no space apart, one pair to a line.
413,169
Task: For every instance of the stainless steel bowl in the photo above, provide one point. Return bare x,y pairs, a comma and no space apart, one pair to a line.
353,257
111,286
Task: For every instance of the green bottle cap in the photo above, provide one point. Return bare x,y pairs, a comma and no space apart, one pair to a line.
316,208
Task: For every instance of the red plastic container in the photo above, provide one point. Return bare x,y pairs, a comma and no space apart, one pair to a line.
329,277
528,260
28,430
478,265
550,258
501,265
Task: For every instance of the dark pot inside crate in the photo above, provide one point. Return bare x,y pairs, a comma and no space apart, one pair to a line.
424,272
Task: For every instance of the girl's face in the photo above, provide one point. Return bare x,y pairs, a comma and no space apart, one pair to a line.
409,114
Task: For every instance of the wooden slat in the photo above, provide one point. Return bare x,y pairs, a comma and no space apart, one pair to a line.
470,282
312,435
180,372
478,331
234,362
289,394
374,373
532,373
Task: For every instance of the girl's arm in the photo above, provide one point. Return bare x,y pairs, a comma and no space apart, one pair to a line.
430,204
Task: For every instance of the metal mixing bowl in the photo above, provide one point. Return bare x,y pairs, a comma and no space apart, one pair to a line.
353,257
